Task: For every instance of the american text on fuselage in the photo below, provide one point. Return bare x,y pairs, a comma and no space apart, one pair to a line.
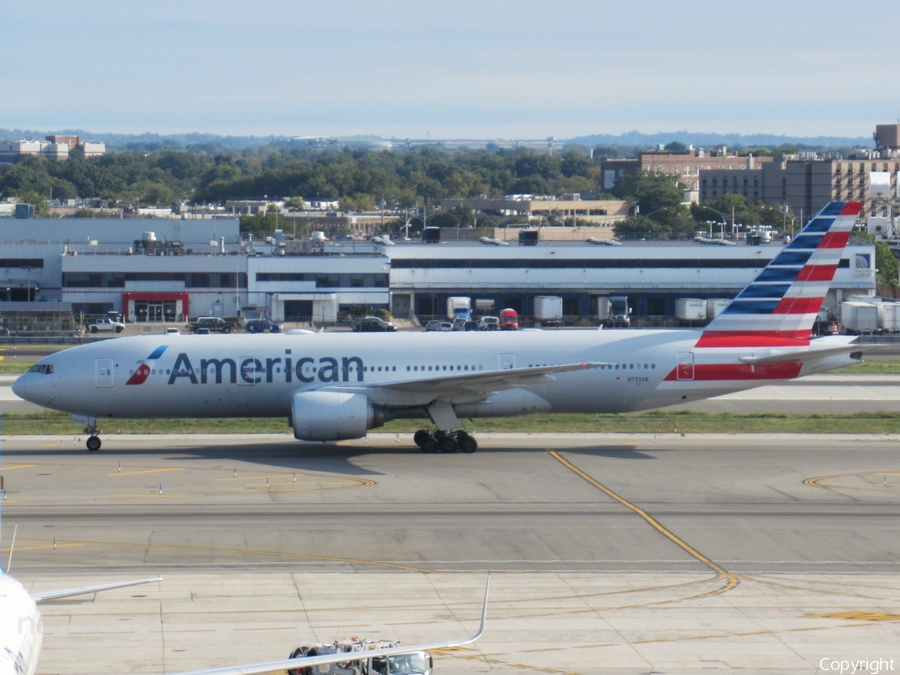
254,370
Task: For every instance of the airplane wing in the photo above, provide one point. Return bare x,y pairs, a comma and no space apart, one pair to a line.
833,347
457,385
325,659
489,381
461,386
67,592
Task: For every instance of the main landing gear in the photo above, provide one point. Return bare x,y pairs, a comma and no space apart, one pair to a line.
445,441
444,417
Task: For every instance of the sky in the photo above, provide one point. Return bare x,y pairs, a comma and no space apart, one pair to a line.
481,69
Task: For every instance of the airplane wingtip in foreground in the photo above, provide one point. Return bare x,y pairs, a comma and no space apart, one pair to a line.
21,635
21,629
338,386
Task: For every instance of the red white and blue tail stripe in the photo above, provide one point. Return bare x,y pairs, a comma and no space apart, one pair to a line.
781,305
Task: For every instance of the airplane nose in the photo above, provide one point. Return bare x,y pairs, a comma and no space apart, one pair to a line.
18,386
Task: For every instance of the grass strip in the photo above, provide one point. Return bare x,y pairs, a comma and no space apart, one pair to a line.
682,422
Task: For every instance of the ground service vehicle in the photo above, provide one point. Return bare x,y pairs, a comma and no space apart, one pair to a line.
509,319
548,308
357,663
690,309
211,323
614,311
106,325
336,386
459,308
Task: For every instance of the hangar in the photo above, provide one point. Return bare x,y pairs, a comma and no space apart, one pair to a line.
184,268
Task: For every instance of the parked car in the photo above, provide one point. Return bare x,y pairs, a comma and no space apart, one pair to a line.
446,327
263,326
106,324
173,331
433,325
372,324
489,323
212,324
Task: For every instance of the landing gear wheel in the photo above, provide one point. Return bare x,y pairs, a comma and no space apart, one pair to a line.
430,444
93,444
425,440
447,443
466,443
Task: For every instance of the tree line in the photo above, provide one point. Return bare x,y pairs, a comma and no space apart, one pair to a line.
359,179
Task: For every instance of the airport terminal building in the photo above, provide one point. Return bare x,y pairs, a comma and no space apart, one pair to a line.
168,270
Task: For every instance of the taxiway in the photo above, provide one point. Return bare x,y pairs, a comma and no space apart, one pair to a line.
612,553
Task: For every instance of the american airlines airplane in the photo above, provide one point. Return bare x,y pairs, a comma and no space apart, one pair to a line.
334,386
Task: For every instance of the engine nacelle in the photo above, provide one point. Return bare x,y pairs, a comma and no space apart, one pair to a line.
332,416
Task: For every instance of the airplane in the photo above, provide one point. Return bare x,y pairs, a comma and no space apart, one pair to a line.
21,629
21,634
337,386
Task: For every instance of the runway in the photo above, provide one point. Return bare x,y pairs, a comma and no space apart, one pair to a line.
612,553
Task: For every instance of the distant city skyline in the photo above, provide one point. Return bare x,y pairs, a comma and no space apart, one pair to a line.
467,69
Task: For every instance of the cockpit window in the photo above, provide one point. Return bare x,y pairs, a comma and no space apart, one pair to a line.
42,368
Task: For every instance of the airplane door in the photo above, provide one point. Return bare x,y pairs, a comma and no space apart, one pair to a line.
685,368
103,373
506,361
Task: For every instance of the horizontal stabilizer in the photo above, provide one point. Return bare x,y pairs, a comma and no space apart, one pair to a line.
813,352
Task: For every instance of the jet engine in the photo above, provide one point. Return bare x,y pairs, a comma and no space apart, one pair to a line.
332,416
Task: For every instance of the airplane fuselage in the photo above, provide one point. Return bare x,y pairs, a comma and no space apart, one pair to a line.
257,375
21,632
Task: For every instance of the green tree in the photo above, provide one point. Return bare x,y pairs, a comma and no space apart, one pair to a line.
676,219
676,148
41,207
722,209
261,225
639,227
885,264
358,202
156,193
458,216
650,190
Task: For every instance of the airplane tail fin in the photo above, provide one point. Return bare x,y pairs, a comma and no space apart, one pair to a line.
780,306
